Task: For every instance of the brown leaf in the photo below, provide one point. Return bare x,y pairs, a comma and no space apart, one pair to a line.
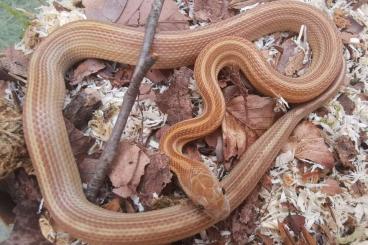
128,168
295,222
295,64
157,175
243,220
234,135
135,12
347,104
359,188
230,92
158,76
25,193
331,187
80,110
122,76
175,101
146,92
102,10
86,68
286,237
307,143
346,151
256,113
213,11
79,142
291,58
14,62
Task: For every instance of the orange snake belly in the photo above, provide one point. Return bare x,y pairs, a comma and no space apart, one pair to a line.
50,150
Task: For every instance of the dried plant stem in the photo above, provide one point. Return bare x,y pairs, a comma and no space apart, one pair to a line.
146,60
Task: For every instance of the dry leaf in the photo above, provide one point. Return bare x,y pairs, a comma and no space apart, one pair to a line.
25,193
158,76
295,222
346,151
175,101
128,168
307,143
155,179
122,76
234,137
86,68
291,58
359,188
331,187
134,13
213,11
102,10
347,104
146,92
15,62
295,63
79,142
243,220
157,175
80,110
285,234
257,112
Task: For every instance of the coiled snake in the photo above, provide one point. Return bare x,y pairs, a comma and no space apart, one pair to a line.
49,147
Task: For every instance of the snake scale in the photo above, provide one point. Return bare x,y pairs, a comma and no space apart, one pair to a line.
50,150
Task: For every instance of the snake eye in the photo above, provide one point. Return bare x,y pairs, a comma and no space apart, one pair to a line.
223,190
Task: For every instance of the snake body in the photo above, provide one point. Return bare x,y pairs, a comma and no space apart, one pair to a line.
47,138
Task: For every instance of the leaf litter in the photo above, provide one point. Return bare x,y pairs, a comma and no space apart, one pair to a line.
317,188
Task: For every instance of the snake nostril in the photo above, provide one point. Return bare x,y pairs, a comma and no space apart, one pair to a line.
223,190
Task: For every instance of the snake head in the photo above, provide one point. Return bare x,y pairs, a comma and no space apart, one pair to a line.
207,192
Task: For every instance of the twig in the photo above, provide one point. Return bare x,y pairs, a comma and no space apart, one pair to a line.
146,60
